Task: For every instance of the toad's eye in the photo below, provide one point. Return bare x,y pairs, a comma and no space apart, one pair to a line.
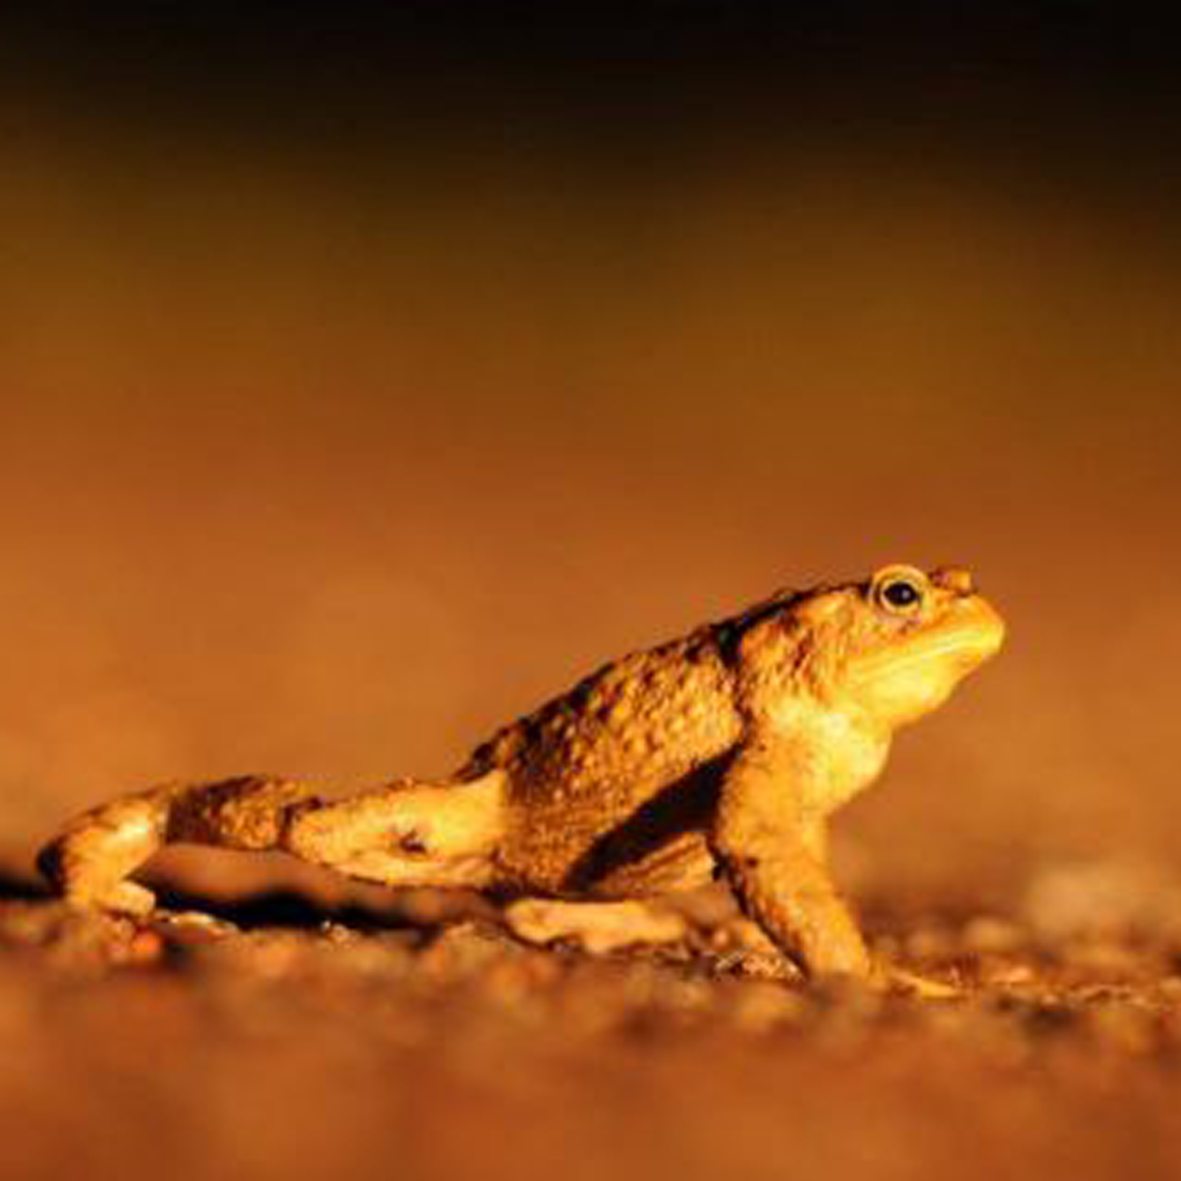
900,593
899,590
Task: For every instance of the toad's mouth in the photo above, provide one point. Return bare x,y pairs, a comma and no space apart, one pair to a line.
970,633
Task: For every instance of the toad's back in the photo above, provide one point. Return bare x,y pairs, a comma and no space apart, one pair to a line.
617,767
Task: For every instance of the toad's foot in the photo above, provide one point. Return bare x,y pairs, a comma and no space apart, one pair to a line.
747,950
129,898
599,927
891,978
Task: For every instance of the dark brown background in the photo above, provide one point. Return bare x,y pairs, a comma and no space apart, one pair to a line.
365,380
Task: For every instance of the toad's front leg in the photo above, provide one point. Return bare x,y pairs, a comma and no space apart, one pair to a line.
771,851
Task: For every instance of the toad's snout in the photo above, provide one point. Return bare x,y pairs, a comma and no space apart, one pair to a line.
974,630
956,579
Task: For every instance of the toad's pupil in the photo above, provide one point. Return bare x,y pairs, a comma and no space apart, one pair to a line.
901,594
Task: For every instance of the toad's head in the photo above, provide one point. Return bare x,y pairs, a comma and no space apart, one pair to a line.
893,647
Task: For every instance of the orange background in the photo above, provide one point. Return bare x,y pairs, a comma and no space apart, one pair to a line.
329,453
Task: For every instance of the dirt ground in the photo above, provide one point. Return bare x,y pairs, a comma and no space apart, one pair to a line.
418,1040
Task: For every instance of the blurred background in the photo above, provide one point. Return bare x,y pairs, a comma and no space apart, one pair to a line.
366,379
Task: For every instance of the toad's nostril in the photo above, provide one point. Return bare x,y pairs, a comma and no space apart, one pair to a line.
955,579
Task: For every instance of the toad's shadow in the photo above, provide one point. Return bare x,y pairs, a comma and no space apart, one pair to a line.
17,888
279,907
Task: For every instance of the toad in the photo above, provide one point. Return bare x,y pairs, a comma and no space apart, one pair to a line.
719,754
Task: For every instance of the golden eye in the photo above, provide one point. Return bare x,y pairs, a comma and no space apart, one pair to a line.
900,591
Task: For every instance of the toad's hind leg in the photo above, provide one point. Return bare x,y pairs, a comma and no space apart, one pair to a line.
399,834
407,833
90,861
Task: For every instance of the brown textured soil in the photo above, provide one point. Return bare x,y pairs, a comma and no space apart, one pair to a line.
295,1043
